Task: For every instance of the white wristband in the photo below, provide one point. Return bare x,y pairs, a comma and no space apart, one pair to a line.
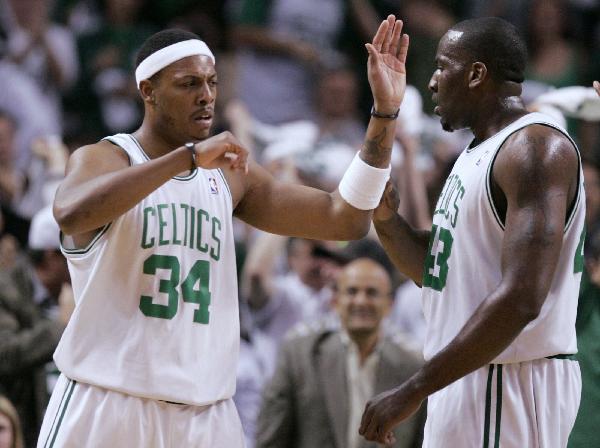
362,185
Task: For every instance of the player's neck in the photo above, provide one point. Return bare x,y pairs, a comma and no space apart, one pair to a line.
153,142
506,110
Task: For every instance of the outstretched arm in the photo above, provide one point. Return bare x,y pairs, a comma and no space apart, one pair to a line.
537,174
100,185
306,212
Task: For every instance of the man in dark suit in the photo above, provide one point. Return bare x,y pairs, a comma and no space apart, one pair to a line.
325,377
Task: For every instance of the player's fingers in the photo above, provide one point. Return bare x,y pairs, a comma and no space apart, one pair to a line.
403,48
597,87
374,55
385,45
395,41
380,35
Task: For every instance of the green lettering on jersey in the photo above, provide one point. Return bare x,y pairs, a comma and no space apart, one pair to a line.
436,267
147,245
161,224
185,208
199,274
216,254
175,240
202,216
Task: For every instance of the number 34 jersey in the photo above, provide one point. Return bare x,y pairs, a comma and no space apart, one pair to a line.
156,295
463,263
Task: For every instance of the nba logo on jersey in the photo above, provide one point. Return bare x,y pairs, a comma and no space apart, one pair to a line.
213,185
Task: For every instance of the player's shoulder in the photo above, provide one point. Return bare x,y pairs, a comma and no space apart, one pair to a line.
535,152
101,156
539,143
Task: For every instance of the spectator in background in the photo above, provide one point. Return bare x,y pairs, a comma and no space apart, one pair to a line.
35,306
554,59
29,112
282,43
12,181
280,300
10,427
324,377
107,89
24,191
42,49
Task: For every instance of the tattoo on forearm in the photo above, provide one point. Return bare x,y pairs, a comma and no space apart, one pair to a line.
375,152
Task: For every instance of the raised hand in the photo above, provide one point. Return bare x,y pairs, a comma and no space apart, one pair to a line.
221,150
386,65
597,87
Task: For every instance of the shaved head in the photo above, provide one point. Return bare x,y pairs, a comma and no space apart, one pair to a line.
495,42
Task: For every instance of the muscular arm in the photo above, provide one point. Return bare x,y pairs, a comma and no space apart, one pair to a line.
100,185
301,211
296,210
536,171
406,247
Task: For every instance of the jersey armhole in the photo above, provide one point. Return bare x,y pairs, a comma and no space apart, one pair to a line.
574,204
67,244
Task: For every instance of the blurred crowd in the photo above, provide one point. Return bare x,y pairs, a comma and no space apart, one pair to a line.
293,89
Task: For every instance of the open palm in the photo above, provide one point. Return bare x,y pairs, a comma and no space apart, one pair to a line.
386,66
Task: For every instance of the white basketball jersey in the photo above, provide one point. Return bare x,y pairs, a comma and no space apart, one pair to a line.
156,295
463,263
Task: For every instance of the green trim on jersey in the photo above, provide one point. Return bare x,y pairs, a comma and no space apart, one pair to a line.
180,178
488,188
488,406
498,406
226,184
114,142
87,248
68,392
488,184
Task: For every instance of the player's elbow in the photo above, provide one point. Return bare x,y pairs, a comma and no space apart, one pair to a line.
354,229
67,216
526,303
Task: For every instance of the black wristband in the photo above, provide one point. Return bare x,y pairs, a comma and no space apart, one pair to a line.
374,113
192,147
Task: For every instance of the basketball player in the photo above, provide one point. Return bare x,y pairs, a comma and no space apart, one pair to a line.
149,356
500,268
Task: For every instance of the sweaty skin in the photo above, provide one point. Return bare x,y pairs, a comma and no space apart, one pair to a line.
534,180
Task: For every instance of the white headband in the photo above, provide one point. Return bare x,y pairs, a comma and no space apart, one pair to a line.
166,56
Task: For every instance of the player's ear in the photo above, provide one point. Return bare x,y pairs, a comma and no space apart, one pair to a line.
147,92
477,74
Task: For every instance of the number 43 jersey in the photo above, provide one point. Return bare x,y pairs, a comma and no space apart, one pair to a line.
463,263
156,295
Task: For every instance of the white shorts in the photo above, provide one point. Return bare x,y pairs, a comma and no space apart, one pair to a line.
80,415
530,404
